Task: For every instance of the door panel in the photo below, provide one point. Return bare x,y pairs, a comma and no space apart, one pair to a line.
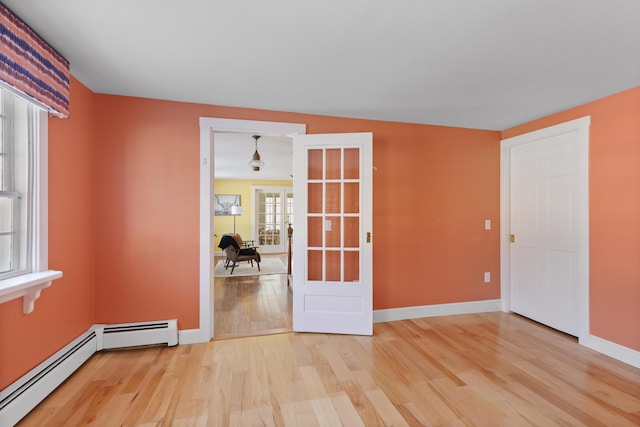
544,221
332,265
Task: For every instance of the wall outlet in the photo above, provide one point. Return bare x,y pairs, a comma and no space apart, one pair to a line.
487,277
487,224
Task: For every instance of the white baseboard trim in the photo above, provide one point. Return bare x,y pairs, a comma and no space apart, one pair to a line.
617,351
392,314
191,336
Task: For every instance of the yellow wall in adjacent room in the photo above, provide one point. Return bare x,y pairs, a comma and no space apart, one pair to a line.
224,223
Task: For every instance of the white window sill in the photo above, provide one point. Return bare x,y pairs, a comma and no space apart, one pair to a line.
27,286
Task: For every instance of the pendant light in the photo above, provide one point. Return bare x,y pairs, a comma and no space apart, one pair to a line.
255,162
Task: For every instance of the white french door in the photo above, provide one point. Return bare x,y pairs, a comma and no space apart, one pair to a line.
273,211
332,249
548,226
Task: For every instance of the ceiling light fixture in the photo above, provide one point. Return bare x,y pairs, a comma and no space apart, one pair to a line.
255,162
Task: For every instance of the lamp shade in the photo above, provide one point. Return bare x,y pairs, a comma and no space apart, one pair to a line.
237,210
255,162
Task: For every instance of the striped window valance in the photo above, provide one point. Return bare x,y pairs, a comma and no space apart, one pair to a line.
31,66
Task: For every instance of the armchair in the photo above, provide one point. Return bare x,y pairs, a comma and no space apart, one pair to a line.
237,251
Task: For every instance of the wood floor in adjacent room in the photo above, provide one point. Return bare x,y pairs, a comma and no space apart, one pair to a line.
252,305
491,369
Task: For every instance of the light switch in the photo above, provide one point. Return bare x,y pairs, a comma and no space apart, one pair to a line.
487,224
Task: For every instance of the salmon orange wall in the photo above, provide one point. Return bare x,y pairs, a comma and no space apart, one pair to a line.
614,212
66,309
224,224
433,188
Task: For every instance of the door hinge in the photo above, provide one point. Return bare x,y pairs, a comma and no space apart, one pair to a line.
368,237
512,238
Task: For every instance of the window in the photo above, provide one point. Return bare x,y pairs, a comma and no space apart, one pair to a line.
18,119
23,200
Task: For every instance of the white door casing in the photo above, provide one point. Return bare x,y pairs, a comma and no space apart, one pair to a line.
544,206
332,249
208,127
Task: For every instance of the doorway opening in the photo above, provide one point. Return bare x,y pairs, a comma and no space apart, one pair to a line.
210,128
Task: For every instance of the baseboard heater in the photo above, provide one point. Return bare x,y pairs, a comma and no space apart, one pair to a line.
138,334
26,393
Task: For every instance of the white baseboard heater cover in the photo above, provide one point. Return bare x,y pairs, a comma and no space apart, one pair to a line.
26,393
138,334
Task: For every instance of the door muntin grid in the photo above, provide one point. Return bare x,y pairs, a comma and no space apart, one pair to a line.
333,214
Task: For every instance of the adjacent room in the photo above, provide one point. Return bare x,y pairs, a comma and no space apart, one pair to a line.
435,207
254,202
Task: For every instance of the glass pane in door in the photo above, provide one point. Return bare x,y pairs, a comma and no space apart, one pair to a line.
314,232
333,266
314,263
333,216
334,164
351,266
314,198
316,163
351,232
352,197
333,232
333,197
351,163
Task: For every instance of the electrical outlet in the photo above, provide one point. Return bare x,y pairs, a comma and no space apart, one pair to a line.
487,277
487,224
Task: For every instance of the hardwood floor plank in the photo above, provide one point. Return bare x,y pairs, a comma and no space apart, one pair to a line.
361,403
346,411
433,406
299,413
385,408
325,412
256,416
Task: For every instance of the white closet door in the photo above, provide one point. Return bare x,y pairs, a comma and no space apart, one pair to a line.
548,208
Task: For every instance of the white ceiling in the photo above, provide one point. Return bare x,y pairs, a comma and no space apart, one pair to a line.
488,64
233,151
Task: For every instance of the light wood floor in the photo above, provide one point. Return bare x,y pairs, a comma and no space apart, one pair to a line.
252,305
492,369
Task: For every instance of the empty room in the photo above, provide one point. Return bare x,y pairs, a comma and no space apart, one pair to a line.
432,209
